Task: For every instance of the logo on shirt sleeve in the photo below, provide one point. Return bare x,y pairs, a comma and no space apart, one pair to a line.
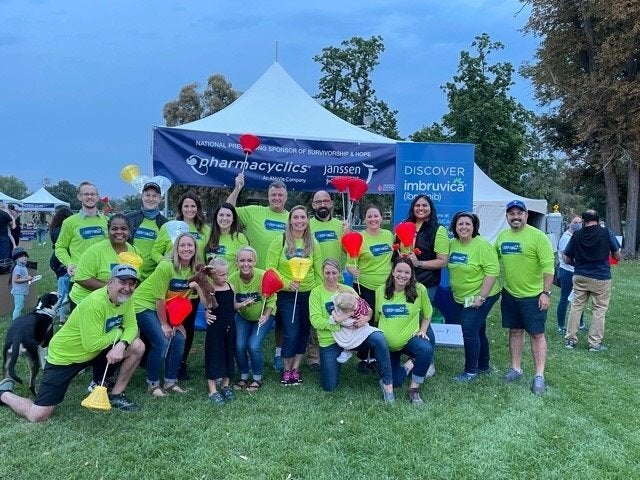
326,236
145,234
91,232
274,225
510,248
377,250
459,258
112,323
393,310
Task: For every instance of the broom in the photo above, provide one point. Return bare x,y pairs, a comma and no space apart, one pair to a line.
98,399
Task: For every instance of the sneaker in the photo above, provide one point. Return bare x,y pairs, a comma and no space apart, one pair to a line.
217,399
598,347
123,403
512,375
485,371
465,377
389,397
227,393
6,385
109,383
295,378
414,397
562,330
91,387
363,368
278,363
584,326
431,371
372,365
344,356
538,386
285,379
570,344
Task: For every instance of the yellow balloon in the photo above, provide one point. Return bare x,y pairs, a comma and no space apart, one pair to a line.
299,268
131,258
130,173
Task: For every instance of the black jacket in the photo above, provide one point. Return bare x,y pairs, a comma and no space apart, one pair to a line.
136,218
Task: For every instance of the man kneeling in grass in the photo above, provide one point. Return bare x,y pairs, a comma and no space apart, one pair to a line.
102,330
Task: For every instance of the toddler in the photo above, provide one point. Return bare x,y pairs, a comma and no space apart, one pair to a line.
347,308
20,281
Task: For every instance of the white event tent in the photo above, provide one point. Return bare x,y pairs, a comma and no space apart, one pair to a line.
42,201
6,199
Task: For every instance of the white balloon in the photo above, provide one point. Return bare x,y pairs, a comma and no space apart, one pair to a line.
163,182
175,228
139,183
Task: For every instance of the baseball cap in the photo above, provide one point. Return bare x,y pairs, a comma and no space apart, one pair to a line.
153,185
516,204
19,252
124,272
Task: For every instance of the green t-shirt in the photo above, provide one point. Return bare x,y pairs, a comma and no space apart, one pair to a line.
400,320
245,290
374,261
91,328
163,246
277,260
441,243
227,249
329,236
163,284
526,255
79,232
261,226
469,264
320,308
96,262
143,239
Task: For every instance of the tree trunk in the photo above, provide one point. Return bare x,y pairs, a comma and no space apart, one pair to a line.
611,195
633,202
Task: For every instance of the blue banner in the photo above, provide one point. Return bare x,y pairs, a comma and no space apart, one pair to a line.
215,159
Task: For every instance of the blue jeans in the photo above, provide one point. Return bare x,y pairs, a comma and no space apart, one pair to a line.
18,304
42,235
295,334
421,351
474,332
566,285
249,340
159,347
330,368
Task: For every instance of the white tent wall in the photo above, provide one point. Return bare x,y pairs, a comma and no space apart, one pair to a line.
41,201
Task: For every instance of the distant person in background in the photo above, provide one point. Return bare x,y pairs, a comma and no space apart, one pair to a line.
6,240
565,273
20,281
144,226
15,231
589,250
42,228
64,279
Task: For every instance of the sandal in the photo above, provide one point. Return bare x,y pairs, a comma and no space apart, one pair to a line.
240,384
174,388
156,391
254,386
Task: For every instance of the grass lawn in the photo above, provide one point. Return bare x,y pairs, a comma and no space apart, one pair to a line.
585,426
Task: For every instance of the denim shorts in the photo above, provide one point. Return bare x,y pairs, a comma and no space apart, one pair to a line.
522,313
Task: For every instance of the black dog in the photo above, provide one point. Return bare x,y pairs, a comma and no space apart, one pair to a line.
29,332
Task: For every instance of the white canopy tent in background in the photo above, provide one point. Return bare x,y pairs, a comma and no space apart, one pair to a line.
6,199
276,106
42,201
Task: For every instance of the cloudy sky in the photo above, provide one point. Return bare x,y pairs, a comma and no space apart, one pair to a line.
84,82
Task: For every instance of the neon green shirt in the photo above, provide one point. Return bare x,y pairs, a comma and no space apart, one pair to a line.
374,261
469,264
96,262
277,259
245,290
262,225
163,246
320,308
79,232
441,242
525,255
329,236
91,328
163,284
143,240
400,320
228,248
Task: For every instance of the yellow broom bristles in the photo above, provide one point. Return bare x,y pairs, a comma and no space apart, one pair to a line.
97,400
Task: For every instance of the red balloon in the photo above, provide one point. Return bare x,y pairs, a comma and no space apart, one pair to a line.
271,283
352,242
612,261
341,183
105,200
357,188
406,233
249,143
177,310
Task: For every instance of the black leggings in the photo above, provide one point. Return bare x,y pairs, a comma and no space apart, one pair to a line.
220,349
368,296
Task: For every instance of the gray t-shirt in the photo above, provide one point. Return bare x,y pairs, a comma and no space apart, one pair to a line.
19,288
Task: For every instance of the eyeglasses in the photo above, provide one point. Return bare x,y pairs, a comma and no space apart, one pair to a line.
318,202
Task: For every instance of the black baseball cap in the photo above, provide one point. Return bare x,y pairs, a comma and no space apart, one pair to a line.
153,185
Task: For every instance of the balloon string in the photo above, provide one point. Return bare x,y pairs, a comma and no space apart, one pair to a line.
104,375
295,300
246,155
264,303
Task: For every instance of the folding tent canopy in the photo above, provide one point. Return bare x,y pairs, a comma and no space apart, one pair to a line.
42,201
7,199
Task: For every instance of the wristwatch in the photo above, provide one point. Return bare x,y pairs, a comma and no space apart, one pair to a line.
547,293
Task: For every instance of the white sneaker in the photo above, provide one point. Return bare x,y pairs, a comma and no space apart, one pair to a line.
344,356
432,371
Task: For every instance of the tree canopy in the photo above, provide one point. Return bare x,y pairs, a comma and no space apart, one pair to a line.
13,186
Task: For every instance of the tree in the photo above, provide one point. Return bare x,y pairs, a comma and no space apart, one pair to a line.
346,88
13,186
586,70
67,192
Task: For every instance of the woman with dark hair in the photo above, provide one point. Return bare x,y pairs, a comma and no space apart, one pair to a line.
404,314
58,268
189,211
226,236
293,315
473,270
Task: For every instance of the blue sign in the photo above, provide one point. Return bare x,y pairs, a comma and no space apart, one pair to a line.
215,159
